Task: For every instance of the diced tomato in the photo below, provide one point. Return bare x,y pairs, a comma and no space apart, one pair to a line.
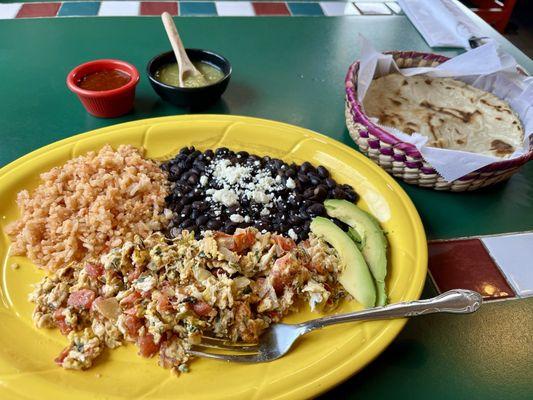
284,243
94,270
59,319
244,240
61,357
134,274
202,308
163,304
147,346
130,299
131,311
81,299
283,273
133,324
238,242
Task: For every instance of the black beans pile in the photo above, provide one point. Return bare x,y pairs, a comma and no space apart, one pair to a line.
292,208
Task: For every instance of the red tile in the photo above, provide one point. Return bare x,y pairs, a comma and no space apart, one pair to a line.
466,264
32,10
270,9
158,7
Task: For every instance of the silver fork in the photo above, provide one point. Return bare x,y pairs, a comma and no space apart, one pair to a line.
276,341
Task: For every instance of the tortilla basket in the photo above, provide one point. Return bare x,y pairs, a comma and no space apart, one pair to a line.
403,160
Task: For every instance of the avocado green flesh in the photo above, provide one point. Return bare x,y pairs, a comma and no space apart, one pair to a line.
374,244
355,277
356,237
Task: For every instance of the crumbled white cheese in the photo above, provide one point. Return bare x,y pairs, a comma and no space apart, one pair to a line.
265,212
236,218
243,181
290,183
203,180
225,196
292,234
246,218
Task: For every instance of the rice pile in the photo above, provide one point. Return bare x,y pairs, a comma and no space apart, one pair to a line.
88,205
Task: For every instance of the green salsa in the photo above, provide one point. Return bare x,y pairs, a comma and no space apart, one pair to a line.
168,74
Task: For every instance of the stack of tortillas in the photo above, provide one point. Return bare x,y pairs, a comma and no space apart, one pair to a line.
451,113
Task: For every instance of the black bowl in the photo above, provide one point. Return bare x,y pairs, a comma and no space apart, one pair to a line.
190,97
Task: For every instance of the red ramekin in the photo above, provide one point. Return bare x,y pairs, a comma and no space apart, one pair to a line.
105,103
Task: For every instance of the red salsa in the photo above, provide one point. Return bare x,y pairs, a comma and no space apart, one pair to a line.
104,80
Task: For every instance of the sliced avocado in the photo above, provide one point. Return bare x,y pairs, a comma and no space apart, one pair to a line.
356,237
355,277
374,244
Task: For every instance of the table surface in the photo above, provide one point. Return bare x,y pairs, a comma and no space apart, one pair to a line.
292,70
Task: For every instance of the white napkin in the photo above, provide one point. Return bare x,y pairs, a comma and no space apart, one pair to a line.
496,74
441,22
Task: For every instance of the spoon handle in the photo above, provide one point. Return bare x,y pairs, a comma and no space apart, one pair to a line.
457,301
184,64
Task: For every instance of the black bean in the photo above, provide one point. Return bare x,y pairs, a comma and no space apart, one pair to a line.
193,179
243,154
330,183
186,210
295,219
303,178
303,215
202,219
214,224
184,150
315,180
351,196
338,193
175,169
184,223
308,193
195,214
290,172
191,228
320,193
306,167
316,209
233,209
222,151
200,166
322,171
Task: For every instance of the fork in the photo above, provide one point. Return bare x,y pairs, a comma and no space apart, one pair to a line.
276,341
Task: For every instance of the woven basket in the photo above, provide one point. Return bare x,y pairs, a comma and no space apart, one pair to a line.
403,160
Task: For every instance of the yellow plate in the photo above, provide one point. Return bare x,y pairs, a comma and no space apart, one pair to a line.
318,362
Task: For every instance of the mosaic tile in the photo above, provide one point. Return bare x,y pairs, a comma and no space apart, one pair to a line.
119,8
335,8
305,9
158,7
82,8
34,10
514,256
198,8
373,8
234,9
395,7
10,10
465,264
270,8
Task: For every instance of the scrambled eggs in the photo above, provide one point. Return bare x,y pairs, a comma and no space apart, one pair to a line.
164,294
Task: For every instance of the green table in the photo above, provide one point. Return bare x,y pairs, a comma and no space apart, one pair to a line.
292,70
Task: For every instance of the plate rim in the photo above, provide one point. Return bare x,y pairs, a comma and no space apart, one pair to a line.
345,370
